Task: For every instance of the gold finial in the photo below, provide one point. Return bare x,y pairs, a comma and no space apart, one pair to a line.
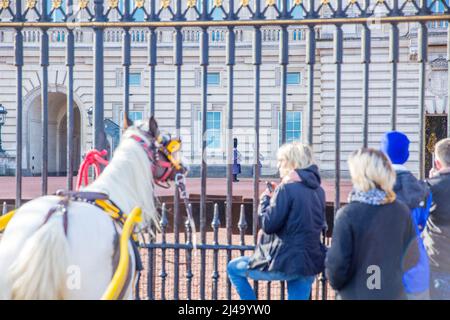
380,1
270,3
139,3
165,4
113,4
56,4
298,2
352,1
83,4
31,4
245,3
191,3
4,4
218,3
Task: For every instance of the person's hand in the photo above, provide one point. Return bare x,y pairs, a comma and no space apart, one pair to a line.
267,192
433,172
292,177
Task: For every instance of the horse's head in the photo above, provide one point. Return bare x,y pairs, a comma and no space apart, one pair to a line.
163,151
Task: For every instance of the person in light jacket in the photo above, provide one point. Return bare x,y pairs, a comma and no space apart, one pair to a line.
292,220
374,240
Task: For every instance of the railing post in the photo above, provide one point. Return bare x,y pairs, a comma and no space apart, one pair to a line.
204,62
310,61
188,238
215,224
448,79
126,59
365,60
338,58
18,62
231,61
44,98
99,137
284,61
178,62
163,274
394,59
70,62
257,60
152,57
422,59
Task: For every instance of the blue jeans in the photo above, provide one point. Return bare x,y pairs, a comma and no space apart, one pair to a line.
299,288
440,286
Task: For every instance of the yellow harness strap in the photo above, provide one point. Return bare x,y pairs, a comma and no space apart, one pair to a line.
112,210
4,220
114,213
119,278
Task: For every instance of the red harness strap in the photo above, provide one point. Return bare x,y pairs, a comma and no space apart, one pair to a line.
93,158
158,162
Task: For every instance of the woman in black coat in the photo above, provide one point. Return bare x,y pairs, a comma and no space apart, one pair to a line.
292,220
374,240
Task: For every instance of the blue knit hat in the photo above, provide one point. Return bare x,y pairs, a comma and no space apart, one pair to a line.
396,146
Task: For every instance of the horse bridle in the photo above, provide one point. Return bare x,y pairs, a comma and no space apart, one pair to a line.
173,169
169,165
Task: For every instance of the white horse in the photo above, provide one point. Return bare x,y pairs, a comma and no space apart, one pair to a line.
44,261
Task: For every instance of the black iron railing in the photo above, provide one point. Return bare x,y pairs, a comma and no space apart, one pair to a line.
177,14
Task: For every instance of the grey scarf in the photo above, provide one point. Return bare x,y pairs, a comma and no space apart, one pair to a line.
374,197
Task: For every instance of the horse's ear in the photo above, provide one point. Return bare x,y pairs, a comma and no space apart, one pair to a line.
127,122
153,129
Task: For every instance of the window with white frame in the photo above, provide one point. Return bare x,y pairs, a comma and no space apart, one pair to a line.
293,126
135,78
136,114
213,78
132,115
213,130
293,78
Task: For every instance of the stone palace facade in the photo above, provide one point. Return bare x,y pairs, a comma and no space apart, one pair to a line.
297,126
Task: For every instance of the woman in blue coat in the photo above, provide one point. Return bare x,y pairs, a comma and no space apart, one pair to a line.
292,220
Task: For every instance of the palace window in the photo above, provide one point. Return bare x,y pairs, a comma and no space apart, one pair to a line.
213,129
293,126
213,78
135,79
293,78
132,115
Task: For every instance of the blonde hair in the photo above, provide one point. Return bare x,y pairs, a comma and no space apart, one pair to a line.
442,152
370,169
295,155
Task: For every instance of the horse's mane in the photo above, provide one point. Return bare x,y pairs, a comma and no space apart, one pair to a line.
128,179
